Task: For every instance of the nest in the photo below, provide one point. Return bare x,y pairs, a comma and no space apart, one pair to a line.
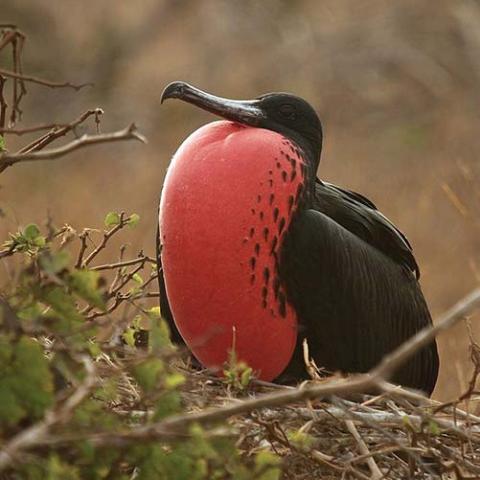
395,435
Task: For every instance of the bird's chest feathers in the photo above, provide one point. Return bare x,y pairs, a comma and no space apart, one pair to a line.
227,202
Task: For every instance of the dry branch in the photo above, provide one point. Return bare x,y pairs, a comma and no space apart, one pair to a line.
36,128
362,446
127,263
3,103
60,131
129,133
42,81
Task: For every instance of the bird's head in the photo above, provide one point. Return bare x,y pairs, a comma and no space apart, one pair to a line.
284,113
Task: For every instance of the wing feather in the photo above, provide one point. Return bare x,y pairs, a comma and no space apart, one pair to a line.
359,215
354,304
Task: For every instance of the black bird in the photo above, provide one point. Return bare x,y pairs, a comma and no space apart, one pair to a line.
243,216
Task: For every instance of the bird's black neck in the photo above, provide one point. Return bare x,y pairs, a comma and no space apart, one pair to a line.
311,149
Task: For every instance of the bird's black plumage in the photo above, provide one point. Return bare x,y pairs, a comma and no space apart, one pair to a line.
354,303
360,216
349,273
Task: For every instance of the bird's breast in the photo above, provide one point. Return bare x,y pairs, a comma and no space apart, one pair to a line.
227,202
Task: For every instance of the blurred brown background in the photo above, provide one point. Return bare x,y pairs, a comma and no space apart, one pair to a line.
396,85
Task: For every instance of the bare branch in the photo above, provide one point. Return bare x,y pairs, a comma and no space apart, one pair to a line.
41,81
55,133
37,128
7,252
11,26
362,446
126,263
129,133
83,247
3,104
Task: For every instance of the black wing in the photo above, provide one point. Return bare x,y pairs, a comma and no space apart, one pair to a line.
354,304
164,305
360,216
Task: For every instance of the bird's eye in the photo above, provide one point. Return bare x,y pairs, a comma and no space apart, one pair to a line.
288,111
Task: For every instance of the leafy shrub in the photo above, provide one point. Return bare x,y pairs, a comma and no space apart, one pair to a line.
81,390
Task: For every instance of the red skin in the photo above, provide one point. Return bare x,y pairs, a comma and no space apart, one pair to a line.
218,183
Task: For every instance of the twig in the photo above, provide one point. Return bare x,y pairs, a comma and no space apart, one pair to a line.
37,128
7,252
58,132
106,235
129,133
35,434
7,38
83,247
115,293
372,465
126,263
3,104
413,457
41,81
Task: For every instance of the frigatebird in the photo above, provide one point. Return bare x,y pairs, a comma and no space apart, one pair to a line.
256,253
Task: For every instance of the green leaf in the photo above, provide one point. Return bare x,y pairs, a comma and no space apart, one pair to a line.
433,428
168,404
85,284
267,466
159,336
112,219
26,380
174,380
133,220
58,470
129,336
39,241
94,349
300,439
3,145
246,377
54,263
64,306
147,373
31,232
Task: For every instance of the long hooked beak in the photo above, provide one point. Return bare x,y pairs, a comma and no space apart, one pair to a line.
242,111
